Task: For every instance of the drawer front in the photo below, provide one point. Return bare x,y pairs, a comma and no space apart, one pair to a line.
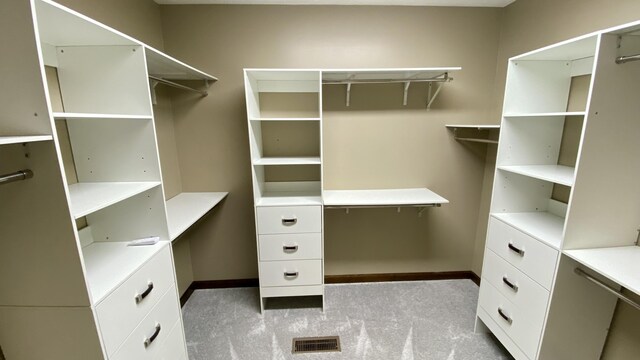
174,347
289,219
123,309
529,255
290,246
521,325
290,273
514,285
159,323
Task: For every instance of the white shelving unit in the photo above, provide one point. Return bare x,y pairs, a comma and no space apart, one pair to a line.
555,220
185,209
70,274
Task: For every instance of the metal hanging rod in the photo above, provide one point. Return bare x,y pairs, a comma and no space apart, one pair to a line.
441,78
628,58
615,292
176,85
16,176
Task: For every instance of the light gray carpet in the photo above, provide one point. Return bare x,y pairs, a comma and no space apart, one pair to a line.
431,320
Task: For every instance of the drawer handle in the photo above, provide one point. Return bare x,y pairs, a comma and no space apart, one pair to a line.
290,248
505,316
289,221
515,249
290,274
148,341
513,286
140,297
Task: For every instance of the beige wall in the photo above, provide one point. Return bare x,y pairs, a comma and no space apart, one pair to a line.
213,143
530,24
137,18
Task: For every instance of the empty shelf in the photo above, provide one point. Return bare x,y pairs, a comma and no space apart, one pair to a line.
284,119
87,198
384,75
563,175
618,264
184,209
109,264
61,115
290,198
543,226
6,140
378,198
288,161
549,114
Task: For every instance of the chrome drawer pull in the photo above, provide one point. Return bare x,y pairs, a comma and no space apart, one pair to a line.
290,274
289,221
505,316
515,249
150,339
513,286
290,248
140,297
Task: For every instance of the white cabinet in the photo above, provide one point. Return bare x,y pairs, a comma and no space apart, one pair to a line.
70,287
554,196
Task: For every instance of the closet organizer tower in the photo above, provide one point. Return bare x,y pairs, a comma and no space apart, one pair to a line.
70,287
565,211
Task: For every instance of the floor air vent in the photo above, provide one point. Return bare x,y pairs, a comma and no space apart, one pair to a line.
315,344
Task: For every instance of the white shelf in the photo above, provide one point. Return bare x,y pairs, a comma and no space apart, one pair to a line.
87,198
63,115
283,119
184,209
543,226
549,114
618,264
7,140
109,264
476,127
290,198
164,66
287,161
385,197
368,75
563,175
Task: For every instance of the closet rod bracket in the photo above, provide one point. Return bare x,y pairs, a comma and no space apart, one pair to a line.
406,92
348,94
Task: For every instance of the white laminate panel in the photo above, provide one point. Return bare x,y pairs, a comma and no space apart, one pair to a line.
525,293
290,246
119,313
303,272
289,219
164,315
174,347
281,291
525,328
538,260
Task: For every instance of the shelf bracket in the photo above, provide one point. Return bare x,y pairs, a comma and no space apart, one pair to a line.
406,93
348,94
421,210
153,84
435,94
346,211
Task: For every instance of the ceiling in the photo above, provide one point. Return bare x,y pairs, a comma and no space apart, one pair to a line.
468,3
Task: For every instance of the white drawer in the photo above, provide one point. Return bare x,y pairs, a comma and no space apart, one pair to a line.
290,273
521,325
123,309
515,286
174,347
290,246
529,255
159,322
289,219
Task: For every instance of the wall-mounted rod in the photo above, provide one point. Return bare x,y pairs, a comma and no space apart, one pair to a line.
16,176
176,85
380,206
445,78
615,292
628,58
